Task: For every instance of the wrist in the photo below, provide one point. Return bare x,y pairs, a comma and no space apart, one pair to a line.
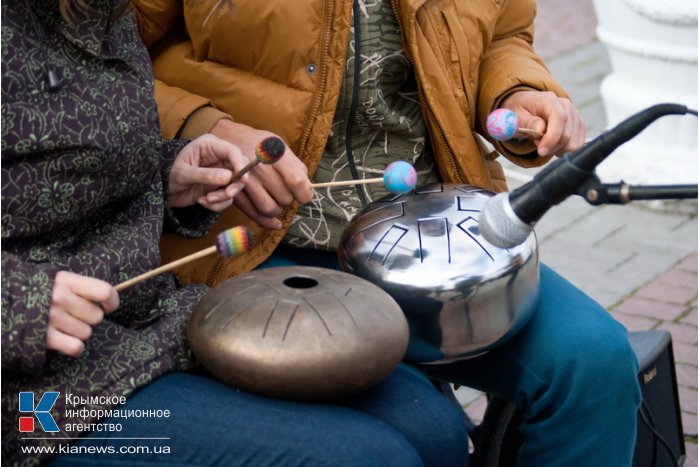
506,100
201,122
240,134
226,128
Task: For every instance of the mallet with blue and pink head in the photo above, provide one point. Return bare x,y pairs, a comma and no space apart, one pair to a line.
399,177
502,125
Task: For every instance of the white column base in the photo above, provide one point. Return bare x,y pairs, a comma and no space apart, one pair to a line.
654,53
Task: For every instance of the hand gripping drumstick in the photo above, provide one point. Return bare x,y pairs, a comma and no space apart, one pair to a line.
268,151
399,177
229,243
502,125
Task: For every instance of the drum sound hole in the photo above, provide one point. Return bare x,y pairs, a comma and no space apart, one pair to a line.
300,282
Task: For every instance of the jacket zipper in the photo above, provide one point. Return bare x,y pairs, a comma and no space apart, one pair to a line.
322,70
421,98
395,9
215,272
443,141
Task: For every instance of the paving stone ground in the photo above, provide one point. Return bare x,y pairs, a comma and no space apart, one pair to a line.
640,261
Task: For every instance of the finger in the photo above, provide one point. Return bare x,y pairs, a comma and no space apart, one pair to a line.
56,340
89,288
68,324
579,132
226,151
243,202
556,124
296,178
233,189
212,176
223,194
297,181
86,311
261,198
217,206
565,138
532,122
303,192
574,134
216,196
272,181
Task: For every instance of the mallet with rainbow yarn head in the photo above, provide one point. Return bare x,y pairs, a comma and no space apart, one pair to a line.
229,243
268,151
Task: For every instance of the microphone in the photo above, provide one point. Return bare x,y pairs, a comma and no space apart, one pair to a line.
507,219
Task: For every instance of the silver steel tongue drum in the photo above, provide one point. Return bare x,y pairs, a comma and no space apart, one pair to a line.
298,333
461,295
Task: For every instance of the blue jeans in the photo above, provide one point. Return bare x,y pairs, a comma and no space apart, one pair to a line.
571,369
401,422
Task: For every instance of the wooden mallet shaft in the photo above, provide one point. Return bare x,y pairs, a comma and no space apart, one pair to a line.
229,243
248,167
399,177
530,132
165,268
363,181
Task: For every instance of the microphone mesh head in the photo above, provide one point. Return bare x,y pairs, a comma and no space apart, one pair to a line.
499,225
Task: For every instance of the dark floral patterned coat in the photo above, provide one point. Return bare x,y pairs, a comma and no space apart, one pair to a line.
84,170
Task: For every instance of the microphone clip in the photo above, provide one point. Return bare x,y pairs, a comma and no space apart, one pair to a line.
597,193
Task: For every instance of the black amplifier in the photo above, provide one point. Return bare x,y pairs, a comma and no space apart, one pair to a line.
660,440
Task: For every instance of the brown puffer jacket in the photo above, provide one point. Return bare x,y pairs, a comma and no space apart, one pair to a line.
278,65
